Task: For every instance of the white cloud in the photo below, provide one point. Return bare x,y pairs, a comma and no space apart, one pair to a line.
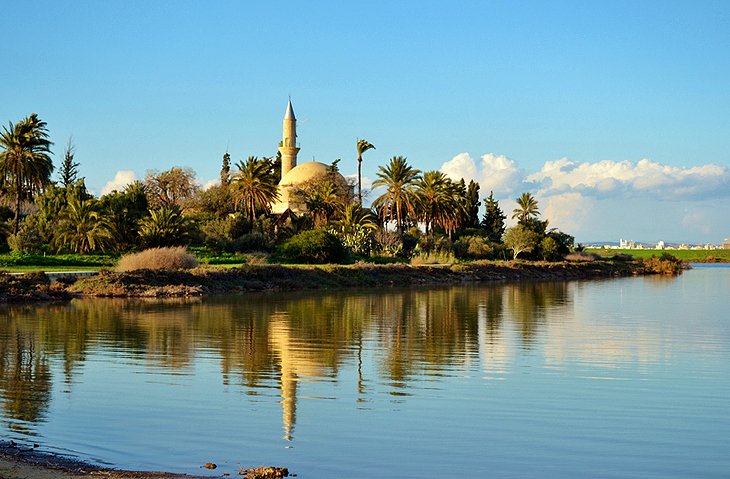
624,178
121,179
493,173
209,184
568,212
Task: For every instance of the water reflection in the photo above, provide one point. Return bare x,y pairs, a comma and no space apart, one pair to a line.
266,342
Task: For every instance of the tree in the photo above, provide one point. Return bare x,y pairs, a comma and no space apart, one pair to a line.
493,220
362,147
471,204
165,226
438,201
399,199
520,239
172,187
527,208
355,217
123,212
69,169
321,197
25,162
82,228
254,186
226,170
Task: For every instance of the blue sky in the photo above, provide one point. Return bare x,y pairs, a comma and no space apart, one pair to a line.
615,114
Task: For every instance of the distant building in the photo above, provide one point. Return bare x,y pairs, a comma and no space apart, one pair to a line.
660,245
726,243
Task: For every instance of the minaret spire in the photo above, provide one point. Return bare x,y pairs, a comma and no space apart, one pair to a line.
288,146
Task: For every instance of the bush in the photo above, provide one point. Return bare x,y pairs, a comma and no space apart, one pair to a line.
665,264
473,247
158,258
433,257
250,242
28,240
313,246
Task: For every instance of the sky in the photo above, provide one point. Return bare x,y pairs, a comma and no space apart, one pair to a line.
615,115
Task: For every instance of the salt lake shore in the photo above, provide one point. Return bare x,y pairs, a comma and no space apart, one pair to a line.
36,287
21,462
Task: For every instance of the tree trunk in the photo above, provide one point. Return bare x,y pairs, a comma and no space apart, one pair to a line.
17,208
359,179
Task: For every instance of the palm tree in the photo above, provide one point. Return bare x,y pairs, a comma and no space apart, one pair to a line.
25,162
322,201
362,147
82,228
399,200
527,208
437,201
165,226
254,186
355,217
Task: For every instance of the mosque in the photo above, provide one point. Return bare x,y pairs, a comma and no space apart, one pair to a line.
293,175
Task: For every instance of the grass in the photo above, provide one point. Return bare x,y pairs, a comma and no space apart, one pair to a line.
690,256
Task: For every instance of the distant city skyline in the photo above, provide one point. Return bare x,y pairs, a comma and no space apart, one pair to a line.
614,115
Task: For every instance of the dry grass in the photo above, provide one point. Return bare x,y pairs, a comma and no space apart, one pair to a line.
582,256
158,258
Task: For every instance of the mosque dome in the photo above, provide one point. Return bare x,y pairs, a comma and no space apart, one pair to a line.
300,175
305,172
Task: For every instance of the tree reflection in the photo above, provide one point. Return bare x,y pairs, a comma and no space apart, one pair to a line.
270,341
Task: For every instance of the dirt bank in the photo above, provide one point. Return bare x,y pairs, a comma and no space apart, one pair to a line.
202,281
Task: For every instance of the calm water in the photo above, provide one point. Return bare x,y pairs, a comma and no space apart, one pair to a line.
618,378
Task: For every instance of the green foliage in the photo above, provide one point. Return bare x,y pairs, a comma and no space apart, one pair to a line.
473,247
439,202
253,187
66,260
471,204
549,249
493,220
28,239
687,255
520,239
359,240
252,242
314,246
165,226
526,208
399,199
433,257
122,212
81,228
69,169
25,161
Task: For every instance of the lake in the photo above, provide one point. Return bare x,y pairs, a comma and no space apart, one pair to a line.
613,378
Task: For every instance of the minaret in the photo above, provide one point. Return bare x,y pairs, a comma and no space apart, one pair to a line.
288,146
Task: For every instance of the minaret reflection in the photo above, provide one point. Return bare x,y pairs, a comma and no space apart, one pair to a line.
294,363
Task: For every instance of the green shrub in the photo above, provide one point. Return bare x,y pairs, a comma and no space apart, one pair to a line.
251,242
358,239
433,257
473,247
158,258
313,246
28,240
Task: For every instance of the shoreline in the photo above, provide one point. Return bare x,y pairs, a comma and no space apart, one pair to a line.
37,287
23,462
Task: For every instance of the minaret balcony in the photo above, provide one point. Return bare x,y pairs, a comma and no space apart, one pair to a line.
288,144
